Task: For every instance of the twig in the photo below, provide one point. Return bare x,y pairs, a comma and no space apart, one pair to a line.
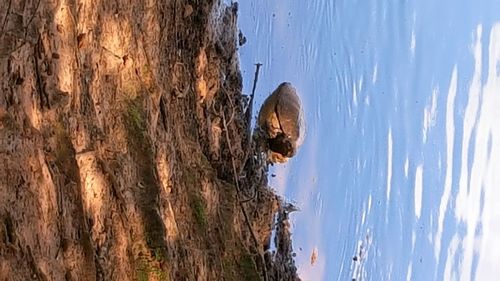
248,116
238,197
249,112
231,118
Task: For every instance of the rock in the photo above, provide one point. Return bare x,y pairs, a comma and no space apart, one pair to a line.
281,121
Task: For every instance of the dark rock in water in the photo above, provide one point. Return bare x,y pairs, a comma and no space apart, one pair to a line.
280,263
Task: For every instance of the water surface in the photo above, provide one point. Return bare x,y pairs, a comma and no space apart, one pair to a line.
400,171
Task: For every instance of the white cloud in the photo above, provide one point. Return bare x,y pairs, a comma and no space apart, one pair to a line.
430,114
409,272
450,131
354,95
375,73
413,43
485,171
389,171
449,272
480,213
418,190
407,164
470,117
369,204
389,165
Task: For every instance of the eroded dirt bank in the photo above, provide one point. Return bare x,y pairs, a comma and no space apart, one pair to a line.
121,128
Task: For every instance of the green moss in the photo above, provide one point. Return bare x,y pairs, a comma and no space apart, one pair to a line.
192,180
229,269
139,142
159,254
247,268
146,269
147,191
135,122
240,268
146,69
198,207
142,274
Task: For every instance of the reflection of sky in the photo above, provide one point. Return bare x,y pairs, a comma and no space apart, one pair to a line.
402,100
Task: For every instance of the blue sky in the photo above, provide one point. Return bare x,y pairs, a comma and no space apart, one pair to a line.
401,155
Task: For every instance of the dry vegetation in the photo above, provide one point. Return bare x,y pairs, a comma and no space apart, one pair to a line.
121,127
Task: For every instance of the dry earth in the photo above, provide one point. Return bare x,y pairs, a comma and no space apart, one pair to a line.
124,152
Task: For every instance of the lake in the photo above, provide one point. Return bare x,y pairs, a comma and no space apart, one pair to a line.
400,171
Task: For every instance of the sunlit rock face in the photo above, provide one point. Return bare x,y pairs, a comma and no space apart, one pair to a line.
281,122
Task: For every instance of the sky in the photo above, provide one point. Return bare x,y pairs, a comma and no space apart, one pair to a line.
401,163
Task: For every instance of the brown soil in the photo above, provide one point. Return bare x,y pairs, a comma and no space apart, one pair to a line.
124,152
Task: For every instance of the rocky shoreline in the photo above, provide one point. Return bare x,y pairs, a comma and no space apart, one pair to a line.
125,149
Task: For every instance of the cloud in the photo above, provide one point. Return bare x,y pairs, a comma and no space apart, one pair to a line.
476,204
389,164
485,172
450,142
418,190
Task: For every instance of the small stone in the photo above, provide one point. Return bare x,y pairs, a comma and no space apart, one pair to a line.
241,39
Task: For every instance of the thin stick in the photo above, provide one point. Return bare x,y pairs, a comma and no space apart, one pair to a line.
238,197
249,112
248,117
